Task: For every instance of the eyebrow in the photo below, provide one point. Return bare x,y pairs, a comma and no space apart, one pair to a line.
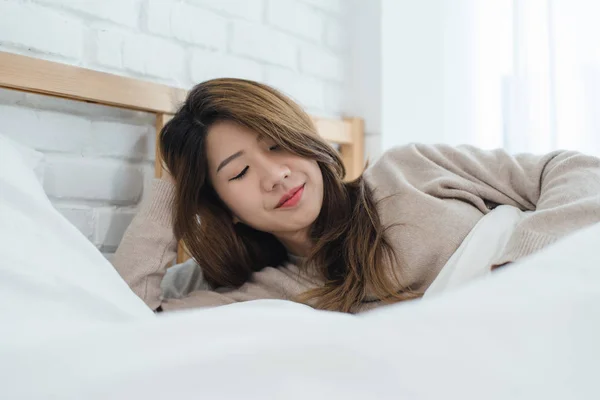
229,159
232,157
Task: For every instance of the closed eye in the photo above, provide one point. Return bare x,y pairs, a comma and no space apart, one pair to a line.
240,175
274,147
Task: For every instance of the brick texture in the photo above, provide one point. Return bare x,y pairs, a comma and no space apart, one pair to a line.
20,27
297,18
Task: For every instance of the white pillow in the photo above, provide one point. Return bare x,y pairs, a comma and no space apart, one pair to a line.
32,158
51,277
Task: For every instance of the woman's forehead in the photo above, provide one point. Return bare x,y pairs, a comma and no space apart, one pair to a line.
225,131
224,135
227,138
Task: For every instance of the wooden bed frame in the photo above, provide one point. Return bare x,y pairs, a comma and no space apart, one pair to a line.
34,75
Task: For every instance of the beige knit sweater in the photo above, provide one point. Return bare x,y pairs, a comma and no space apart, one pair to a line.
433,195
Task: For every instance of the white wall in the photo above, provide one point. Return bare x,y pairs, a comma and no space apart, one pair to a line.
412,74
413,71
99,160
442,69
364,75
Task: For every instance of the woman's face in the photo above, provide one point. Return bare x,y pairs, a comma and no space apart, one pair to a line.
263,185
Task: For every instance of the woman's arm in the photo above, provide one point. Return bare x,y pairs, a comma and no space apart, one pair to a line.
282,283
562,187
149,247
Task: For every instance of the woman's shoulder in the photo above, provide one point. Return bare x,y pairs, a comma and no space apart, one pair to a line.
415,152
413,165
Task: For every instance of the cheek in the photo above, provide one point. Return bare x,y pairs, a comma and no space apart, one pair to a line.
316,175
241,198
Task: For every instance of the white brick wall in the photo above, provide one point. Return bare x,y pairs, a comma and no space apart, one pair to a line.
335,7
110,225
303,89
264,44
306,22
80,216
187,23
128,10
154,57
98,160
207,65
314,60
94,180
251,10
20,24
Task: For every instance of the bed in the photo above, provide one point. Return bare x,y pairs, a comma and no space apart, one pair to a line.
70,328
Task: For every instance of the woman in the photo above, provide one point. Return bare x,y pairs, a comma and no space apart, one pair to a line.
260,202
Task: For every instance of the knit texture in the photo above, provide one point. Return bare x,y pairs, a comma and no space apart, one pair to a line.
430,197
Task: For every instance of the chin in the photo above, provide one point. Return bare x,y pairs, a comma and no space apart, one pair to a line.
307,221
299,224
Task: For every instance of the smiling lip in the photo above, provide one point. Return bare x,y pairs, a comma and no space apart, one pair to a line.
291,198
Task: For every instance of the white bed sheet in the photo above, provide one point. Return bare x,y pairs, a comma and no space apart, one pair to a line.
72,330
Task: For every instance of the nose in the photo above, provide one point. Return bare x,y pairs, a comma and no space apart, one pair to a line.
273,173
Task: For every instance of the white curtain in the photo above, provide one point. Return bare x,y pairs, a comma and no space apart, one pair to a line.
552,97
519,74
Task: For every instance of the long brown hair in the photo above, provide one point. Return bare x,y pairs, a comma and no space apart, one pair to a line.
350,249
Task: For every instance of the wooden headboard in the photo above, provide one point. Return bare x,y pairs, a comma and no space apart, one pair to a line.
34,75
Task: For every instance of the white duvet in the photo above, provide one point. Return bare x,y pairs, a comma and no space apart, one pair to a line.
71,329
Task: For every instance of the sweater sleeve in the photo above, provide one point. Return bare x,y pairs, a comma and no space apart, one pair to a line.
562,187
282,283
149,247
